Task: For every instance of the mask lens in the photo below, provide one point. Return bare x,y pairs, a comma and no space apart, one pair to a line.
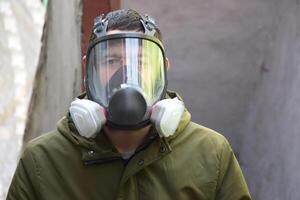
126,62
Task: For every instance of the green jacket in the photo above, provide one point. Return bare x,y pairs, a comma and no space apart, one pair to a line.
194,163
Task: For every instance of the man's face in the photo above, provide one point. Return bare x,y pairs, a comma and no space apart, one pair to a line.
115,59
112,61
125,61
128,62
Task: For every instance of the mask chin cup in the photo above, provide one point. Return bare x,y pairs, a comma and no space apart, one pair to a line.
166,115
87,116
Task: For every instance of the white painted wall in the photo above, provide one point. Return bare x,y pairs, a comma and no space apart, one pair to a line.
20,32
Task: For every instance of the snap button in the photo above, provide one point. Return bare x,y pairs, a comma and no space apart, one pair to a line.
91,153
141,162
162,149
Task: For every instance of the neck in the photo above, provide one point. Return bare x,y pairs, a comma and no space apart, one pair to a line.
126,140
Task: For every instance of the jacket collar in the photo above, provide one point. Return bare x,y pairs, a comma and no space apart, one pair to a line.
100,150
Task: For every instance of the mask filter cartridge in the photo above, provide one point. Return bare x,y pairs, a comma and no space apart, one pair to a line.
87,116
166,115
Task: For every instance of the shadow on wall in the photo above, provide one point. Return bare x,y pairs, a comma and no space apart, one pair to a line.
236,65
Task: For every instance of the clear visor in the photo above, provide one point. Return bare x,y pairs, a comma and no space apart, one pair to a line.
126,62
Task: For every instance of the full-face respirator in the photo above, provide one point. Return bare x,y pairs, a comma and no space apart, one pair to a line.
126,83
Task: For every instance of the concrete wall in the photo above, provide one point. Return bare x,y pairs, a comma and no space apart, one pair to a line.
58,76
215,49
236,63
271,135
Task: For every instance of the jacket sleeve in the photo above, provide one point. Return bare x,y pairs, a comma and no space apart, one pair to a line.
231,183
23,185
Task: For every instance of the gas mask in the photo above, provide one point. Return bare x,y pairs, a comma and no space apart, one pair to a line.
125,81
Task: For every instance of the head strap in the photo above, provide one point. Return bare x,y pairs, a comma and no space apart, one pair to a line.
149,25
101,23
100,26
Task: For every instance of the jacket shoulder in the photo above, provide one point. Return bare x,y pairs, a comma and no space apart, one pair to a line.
38,160
214,154
207,138
50,140
50,148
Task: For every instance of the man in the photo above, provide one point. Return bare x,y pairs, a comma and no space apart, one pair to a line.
128,138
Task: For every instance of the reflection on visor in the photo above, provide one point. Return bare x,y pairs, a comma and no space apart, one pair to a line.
126,62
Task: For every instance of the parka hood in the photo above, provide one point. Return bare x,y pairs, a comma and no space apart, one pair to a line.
66,127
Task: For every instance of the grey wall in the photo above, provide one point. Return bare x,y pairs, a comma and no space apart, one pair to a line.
58,76
271,134
236,63
215,48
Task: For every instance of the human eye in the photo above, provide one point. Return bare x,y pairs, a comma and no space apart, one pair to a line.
111,61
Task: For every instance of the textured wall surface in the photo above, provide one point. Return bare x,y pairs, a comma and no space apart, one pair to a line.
236,63
58,77
20,32
271,139
216,53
